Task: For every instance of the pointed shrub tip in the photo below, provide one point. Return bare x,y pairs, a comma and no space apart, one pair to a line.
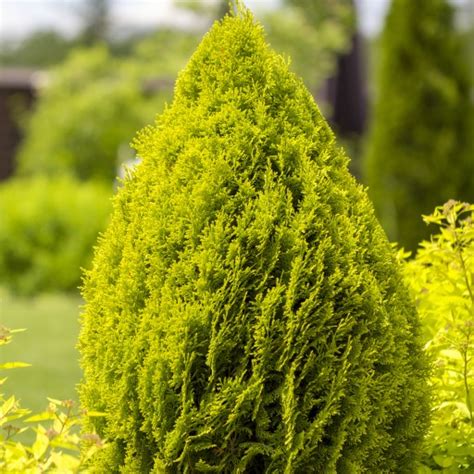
245,311
239,8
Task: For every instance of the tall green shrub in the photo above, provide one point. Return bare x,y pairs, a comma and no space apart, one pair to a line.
245,311
420,146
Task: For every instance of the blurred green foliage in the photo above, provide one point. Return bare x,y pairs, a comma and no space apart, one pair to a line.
312,45
40,49
96,19
420,148
47,231
164,53
441,278
92,106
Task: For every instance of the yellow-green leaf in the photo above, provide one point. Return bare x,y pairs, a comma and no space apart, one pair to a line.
65,462
55,401
443,461
62,443
41,443
46,415
14,365
7,406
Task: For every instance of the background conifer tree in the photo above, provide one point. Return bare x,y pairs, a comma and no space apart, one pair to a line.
420,148
96,19
245,311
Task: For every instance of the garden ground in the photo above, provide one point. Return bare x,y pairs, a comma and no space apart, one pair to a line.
48,344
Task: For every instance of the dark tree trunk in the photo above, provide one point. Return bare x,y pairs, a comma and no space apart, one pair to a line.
17,94
347,91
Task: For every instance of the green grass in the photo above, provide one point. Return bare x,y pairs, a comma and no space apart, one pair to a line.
48,344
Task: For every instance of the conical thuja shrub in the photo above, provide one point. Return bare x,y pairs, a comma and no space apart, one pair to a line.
245,312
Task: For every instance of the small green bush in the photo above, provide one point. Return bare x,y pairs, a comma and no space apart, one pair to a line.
419,150
245,311
441,278
47,231
88,111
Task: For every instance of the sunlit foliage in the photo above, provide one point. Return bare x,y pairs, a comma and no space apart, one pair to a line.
245,311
